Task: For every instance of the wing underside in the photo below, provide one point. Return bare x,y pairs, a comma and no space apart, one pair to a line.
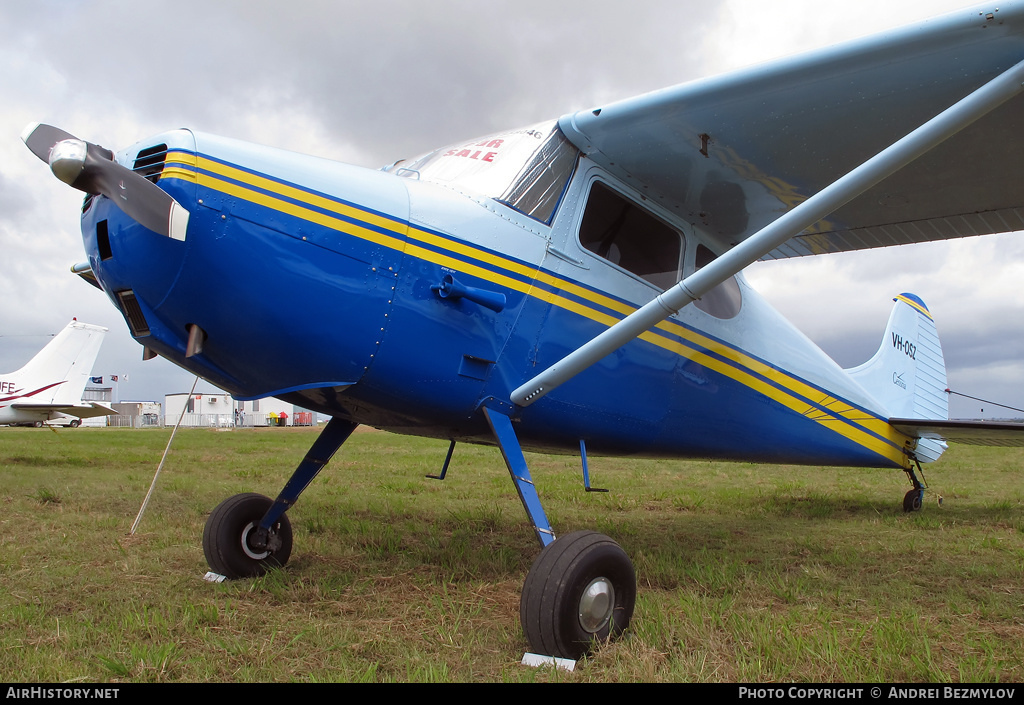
731,154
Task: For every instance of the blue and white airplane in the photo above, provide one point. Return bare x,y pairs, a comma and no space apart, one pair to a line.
532,289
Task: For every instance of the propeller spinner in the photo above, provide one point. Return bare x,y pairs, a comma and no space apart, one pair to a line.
92,169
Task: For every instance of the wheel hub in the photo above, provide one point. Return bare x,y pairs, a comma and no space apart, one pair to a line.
247,547
596,605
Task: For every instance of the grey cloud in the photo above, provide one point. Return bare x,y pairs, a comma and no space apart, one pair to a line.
400,77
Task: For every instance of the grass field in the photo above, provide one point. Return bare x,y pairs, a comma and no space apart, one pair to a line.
746,572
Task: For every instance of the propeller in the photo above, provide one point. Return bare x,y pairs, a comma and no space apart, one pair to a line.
92,169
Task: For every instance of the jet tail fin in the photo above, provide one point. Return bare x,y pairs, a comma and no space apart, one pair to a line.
908,374
57,375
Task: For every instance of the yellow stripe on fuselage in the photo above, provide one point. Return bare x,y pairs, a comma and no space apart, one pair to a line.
864,429
843,419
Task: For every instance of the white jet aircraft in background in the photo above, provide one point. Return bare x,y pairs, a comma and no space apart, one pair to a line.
52,382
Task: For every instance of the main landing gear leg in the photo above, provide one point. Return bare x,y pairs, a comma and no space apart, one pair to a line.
581,589
248,534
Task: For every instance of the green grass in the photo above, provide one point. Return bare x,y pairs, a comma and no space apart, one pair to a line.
746,572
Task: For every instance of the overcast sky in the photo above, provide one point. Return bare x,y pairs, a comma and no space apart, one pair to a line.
371,82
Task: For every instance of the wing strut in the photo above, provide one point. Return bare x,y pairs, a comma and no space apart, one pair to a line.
832,197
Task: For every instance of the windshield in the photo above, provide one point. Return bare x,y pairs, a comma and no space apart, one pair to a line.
526,169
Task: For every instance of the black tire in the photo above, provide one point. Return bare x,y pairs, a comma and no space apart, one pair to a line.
225,537
37,424
912,501
553,595
75,424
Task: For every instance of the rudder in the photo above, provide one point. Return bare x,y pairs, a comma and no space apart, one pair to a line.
907,374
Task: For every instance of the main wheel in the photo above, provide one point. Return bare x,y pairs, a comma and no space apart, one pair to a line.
227,537
912,501
580,590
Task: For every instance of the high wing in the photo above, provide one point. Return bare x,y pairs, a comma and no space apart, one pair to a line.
974,433
905,137
730,154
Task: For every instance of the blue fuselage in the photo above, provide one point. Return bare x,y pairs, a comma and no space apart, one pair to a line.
317,282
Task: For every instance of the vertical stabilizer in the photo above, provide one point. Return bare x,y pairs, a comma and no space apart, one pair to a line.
58,373
908,375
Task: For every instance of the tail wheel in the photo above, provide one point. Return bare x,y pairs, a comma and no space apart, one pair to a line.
227,537
580,591
913,500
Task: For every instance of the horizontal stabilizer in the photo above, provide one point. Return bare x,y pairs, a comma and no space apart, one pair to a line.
85,411
973,433
82,411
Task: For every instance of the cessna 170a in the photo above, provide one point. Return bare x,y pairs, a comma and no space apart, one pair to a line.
532,289
51,384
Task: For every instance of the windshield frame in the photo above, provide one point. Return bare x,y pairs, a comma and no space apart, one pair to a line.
528,170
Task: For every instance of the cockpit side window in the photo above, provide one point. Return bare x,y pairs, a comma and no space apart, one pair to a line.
625,234
702,257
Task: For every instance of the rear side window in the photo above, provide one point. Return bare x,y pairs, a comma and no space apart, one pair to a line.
725,300
626,235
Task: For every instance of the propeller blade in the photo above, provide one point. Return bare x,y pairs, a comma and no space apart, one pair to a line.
84,270
41,138
92,169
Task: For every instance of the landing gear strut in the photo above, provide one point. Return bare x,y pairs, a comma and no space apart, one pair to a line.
914,499
581,589
248,534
